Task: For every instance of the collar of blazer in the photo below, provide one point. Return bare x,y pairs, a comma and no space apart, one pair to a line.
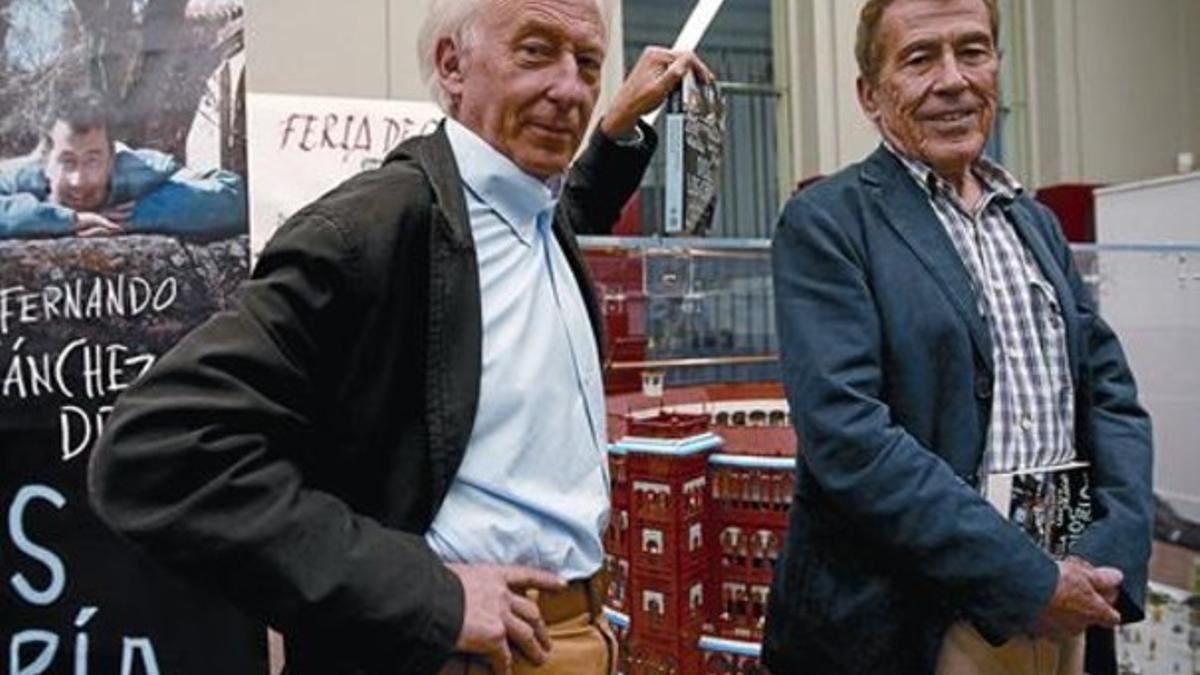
436,158
899,202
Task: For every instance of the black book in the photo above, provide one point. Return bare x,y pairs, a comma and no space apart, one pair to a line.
1052,505
694,146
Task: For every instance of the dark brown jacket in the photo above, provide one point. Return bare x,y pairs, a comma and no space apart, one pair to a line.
292,451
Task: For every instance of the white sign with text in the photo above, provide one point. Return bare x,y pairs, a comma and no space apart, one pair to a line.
302,146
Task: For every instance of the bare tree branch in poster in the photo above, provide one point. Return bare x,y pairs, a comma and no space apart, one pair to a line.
151,59
4,22
161,65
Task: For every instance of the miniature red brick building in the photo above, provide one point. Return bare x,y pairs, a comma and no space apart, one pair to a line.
702,478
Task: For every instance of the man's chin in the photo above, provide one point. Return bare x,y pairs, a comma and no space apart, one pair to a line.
544,165
953,153
80,205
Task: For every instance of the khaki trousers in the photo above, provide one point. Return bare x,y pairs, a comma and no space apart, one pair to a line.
965,652
582,645
582,642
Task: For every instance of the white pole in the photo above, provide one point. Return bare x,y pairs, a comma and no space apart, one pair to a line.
697,24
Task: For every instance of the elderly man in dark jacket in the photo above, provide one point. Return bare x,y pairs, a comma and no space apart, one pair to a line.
398,429
938,343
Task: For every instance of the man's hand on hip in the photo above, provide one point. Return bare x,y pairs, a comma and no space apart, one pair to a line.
497,613
1084,597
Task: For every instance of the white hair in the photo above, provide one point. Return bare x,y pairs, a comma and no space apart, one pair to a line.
457,20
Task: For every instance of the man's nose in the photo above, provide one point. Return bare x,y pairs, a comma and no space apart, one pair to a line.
950,78
569,87
74,177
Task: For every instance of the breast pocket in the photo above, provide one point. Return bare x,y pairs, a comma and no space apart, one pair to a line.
1048,315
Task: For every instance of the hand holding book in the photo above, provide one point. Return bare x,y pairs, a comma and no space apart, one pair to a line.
657,72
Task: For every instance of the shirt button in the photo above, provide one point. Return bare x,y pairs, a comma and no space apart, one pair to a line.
1026,422
983,387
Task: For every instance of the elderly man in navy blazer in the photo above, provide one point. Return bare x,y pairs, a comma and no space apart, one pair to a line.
935,334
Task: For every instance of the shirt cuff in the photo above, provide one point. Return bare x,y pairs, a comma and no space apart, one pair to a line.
632,139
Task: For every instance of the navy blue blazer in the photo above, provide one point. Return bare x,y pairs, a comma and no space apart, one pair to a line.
888,369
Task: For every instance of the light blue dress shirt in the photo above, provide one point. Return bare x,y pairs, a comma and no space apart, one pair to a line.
533,486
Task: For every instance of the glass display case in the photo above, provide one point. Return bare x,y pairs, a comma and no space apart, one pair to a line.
703,453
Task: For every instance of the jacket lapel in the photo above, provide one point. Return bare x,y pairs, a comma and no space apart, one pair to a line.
906,209
454,342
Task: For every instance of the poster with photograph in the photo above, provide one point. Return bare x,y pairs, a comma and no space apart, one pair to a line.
122,226
303,146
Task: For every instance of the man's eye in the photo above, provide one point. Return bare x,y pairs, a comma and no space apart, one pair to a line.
535,49
975,54
590,66
918,59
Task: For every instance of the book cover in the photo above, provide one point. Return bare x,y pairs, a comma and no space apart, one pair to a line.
1052,505
694,146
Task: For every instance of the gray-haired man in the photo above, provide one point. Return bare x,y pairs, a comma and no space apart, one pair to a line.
399,427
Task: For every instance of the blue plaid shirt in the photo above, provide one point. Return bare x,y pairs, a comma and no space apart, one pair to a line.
1033,403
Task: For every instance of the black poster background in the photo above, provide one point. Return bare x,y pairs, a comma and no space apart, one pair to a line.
81,318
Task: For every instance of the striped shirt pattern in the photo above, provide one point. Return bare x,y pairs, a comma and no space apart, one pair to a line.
1033,402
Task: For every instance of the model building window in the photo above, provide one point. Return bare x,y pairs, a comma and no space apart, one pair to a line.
695,539
730,538
652,603
696,596
758,601
652,383
733,597
652,498
652,541
693,494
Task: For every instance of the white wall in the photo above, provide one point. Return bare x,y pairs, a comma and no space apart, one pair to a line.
323,48
1192,29
1117,89
827,129
1161,337
353,48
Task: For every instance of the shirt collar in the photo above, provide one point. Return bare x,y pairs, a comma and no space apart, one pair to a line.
517,197
997,181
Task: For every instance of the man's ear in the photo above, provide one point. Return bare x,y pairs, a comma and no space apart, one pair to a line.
866,98
450,62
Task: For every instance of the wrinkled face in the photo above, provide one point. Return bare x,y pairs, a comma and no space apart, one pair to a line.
78,166
528,81
935,94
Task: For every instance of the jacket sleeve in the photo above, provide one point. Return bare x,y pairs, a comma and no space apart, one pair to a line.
896,492
1117,437
198,465
23,214
603,179
209,205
